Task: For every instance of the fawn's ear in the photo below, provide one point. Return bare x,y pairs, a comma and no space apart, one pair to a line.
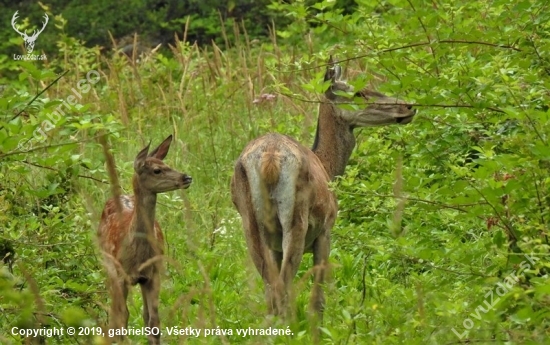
162,150
140,158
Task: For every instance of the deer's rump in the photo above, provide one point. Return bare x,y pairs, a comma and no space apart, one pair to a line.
284,178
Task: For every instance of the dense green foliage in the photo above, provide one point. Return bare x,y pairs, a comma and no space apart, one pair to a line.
435,217
155,21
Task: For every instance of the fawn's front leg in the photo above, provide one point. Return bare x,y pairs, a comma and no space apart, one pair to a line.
150,290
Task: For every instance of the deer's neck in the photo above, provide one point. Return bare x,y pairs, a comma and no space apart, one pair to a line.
334,140
144,210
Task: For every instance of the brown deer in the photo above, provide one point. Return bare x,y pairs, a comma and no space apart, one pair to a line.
281,188
132,241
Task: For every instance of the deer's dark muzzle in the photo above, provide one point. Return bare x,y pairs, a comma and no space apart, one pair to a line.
404,120
187,180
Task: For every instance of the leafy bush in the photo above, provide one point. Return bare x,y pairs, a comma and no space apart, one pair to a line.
434,216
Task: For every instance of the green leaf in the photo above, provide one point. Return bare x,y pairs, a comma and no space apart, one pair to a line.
498,239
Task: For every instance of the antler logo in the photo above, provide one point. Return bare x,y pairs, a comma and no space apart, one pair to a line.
29,40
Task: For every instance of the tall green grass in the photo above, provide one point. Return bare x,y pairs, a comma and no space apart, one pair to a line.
395,279
211,100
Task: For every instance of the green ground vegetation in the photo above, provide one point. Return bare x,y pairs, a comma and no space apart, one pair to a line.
442,231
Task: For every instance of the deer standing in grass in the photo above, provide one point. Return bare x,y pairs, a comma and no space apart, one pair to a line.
132,241
281,188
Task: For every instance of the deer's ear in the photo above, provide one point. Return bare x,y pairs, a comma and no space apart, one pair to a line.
140,158
333,71
162,150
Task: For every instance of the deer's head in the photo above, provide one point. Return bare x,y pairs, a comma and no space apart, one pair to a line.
372,108
153,175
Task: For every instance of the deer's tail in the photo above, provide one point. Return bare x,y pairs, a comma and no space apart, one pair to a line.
270,167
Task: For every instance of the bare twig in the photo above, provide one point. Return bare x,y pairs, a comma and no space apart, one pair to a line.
407,46
459,207
413,104
540,204
50,146
502,46
428,37
471,341
506,224
56,170
35,97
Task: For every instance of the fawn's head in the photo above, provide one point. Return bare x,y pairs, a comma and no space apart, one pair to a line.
153,175
375,108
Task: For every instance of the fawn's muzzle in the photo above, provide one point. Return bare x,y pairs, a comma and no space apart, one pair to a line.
187,180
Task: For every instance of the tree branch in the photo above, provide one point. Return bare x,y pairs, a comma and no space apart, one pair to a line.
413,104
2,155
56,170
412,45
35,97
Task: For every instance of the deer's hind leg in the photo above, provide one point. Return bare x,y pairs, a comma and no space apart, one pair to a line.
294,234
267,263
321,249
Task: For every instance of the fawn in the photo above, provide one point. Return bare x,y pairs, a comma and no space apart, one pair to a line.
281,188
131,239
